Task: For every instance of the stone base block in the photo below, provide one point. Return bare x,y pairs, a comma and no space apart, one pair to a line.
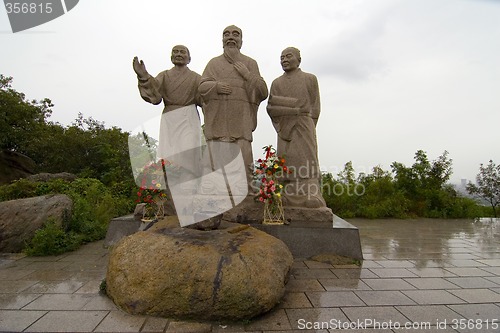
120,227
309,238
310,231
250,211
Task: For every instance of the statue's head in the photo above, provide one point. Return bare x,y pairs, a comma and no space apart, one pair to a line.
232,37
290,59
180,55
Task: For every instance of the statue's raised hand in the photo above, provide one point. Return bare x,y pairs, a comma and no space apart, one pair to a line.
140,69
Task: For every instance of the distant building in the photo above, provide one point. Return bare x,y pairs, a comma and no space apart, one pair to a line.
461,188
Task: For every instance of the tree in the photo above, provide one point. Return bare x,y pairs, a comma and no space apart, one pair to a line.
347,176
20,119
424,184
339,194
381,198
488,185
86,148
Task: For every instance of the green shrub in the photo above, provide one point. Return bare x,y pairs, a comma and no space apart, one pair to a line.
94,205
52,240
18,190
417,191
103,287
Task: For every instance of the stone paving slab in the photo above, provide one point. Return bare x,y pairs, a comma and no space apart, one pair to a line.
424,272
118,321
68,321
17,320
431,283
428,313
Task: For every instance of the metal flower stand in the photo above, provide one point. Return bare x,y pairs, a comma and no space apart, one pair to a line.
154,211
274,213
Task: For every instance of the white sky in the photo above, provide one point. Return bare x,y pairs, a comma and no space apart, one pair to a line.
395,75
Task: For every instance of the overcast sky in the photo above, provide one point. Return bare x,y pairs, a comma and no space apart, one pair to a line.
395,76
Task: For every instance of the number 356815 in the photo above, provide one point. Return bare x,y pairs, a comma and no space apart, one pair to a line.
28,7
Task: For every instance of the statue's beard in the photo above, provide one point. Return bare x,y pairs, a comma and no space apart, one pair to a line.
232,54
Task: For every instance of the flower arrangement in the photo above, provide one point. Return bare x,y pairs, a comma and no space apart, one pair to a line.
268,171
152,189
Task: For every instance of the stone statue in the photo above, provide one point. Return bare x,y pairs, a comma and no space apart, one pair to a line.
294,108
180,128
177,87
231,89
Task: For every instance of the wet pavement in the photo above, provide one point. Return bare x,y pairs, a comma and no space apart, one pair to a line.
417,276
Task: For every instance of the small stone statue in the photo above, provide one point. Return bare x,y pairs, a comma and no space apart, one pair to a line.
294,108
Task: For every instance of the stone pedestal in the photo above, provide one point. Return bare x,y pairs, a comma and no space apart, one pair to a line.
308,238
308,232
250,211
120,227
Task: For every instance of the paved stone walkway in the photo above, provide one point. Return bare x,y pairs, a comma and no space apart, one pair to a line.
442,273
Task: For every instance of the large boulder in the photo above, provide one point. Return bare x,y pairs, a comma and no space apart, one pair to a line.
14,166
46,177
235,272
20,219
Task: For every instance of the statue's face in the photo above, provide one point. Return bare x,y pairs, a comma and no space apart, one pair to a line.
180,56
231,37
289,60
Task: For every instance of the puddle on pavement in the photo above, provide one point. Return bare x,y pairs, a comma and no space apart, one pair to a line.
429,242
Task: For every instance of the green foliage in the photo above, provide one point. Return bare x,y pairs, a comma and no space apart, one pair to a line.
89,150
18,190
85,148
488,185
52,240
423,183
381,198
98,155
103,287
19,117
417,191
339,193
94,205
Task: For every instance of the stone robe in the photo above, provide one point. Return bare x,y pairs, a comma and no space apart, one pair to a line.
179,130
176,88
294,107
231,117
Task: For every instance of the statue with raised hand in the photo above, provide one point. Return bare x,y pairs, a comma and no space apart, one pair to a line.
176,87
180,127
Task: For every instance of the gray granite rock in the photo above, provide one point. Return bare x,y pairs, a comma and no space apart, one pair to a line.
20,219
235,272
